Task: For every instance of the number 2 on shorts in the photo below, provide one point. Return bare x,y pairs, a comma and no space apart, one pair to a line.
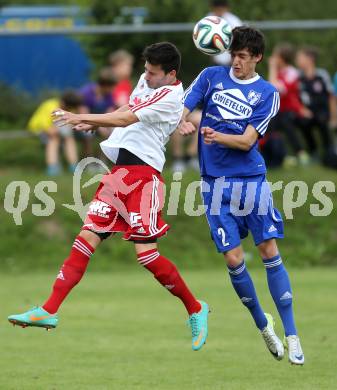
222,234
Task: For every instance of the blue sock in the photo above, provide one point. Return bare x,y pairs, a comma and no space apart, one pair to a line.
244,287
280,289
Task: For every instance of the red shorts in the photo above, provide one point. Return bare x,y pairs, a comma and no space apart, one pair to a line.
129,199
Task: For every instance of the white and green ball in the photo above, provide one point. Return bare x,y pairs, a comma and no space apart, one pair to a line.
212,35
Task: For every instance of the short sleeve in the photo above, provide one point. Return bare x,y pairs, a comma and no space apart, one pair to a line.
195,93
156,108
264,112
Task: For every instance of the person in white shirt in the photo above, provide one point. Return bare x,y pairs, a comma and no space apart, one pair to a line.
129,199
221,8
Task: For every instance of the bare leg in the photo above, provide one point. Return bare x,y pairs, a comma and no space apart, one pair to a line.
70,150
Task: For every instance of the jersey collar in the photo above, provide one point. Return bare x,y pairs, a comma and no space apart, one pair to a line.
239,81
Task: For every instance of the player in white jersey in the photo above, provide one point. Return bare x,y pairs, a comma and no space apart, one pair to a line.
129,198
158,111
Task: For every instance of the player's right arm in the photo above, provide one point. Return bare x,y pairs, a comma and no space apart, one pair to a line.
185,127
110,119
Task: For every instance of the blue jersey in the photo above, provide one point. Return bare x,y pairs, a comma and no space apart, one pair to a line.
229,105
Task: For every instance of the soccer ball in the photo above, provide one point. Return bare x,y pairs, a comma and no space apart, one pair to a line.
212,35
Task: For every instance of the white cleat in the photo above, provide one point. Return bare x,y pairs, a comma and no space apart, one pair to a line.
295,353
273,343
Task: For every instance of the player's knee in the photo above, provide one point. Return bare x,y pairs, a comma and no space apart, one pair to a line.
268,249
233,259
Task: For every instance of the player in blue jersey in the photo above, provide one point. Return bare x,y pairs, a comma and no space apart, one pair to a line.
237,107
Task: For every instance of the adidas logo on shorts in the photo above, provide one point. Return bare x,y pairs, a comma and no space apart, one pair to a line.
272,229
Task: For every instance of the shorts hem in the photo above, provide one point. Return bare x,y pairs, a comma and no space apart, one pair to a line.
277,236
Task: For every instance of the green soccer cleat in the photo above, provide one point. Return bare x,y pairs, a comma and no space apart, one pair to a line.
273,343
198,324
35,317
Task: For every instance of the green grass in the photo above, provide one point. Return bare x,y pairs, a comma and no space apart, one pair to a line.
120,330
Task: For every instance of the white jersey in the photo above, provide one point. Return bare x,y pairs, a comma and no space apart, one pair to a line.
159,112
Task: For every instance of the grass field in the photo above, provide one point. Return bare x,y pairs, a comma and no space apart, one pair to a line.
120,330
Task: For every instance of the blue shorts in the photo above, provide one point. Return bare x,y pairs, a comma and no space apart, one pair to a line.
237,205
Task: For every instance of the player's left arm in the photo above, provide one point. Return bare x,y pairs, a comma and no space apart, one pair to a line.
111,119
235,141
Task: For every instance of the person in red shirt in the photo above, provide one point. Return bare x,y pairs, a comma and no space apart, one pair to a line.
121,63
285,78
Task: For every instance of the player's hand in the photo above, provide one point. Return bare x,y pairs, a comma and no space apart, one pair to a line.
61,118
84,127
209,135
186,128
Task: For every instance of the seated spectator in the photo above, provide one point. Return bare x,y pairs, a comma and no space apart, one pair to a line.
121,64
286,79
97,98
51,135
316,92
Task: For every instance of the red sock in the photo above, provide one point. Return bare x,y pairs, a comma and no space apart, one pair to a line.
70,273
167,275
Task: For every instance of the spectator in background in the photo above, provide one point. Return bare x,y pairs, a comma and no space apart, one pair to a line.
97,98
221,8
285,78
316,92
334,120
41,123
121,65
189,159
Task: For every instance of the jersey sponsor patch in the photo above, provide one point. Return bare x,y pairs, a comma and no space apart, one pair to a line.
99,208
232,104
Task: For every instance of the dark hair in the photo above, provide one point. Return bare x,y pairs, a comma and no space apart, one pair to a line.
249,38
310,51
105,77
71,99
164,54
286,51
219,3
